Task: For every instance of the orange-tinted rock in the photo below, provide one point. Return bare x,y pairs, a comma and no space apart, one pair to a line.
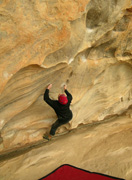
85,44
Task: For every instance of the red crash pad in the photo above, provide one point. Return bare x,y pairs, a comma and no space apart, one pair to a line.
68,172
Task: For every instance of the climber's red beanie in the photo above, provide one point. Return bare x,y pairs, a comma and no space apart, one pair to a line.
63,99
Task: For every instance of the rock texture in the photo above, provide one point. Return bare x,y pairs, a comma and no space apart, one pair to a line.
104,148
85,44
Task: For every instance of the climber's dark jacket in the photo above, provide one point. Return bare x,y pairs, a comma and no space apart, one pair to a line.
62,111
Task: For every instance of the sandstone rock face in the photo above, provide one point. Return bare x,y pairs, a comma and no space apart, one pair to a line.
104,148
85,44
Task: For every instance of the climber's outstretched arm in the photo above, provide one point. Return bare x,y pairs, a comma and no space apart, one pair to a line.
47,98
69,96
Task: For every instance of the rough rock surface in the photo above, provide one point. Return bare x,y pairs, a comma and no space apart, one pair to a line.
86,44
104,148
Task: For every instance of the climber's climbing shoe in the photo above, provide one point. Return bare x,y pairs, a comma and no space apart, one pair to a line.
48,137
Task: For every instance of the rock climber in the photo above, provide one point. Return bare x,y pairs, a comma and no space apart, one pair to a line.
61,108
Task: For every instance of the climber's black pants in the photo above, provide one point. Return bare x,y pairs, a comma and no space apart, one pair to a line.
57,124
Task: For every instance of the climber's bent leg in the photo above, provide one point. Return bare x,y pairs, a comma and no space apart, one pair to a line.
57,124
